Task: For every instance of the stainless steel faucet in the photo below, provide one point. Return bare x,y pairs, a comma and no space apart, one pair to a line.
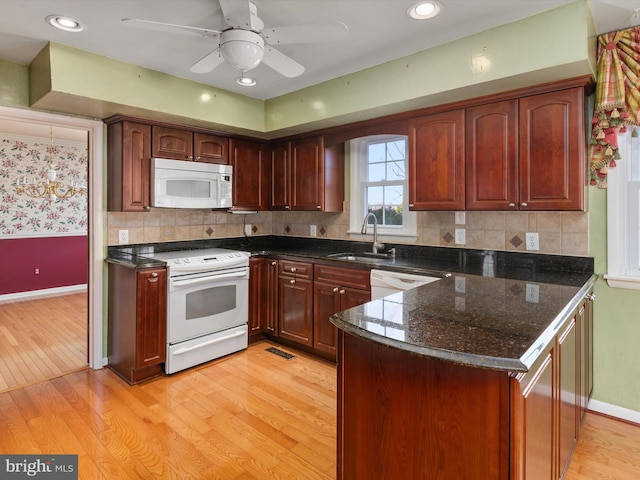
376,246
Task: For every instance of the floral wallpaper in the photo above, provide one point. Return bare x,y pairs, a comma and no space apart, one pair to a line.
21,215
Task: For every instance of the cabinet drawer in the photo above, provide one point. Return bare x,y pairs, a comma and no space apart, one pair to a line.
345,277
299,269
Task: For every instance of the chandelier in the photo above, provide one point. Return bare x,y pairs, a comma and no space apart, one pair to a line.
49,189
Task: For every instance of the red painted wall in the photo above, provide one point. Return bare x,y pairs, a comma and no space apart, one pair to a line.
62,261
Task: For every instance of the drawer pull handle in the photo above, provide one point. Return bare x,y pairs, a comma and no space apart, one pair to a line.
292,282
294,269
154,274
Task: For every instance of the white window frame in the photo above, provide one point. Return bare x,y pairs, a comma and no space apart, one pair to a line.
623,224
357,165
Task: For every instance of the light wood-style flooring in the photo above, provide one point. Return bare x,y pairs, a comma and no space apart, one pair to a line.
42,338
249,416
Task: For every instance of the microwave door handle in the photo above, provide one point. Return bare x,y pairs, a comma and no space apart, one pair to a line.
208,279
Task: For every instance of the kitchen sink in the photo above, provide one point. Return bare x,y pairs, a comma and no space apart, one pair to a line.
360,257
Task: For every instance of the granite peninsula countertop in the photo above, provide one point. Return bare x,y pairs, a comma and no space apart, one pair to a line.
494,310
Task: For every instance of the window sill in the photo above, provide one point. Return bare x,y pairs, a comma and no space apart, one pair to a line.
382,236
618,281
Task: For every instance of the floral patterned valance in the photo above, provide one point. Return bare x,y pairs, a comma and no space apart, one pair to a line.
617,102
24,216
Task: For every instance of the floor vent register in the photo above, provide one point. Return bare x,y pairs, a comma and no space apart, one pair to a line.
280,353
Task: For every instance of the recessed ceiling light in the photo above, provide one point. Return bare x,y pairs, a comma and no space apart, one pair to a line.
67,24
246,81
423,10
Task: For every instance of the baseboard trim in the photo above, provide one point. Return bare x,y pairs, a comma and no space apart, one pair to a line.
615,411
44,292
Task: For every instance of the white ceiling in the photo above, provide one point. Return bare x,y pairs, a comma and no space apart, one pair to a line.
379,31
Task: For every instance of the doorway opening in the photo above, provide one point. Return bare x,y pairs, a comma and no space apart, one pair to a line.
89,301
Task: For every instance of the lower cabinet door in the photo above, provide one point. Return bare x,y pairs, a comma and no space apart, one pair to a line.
326,302
296,309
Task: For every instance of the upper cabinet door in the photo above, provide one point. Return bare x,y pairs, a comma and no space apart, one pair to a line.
492,156
172,143
552,151
129,167
307,174
436,162
281,176
248,160
210,148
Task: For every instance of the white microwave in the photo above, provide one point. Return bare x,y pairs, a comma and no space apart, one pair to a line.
181,184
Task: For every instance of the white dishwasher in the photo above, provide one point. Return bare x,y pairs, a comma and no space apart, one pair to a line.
385,283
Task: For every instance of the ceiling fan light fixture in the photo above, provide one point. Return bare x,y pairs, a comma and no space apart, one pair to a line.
67,24
246,81
424,9
241,49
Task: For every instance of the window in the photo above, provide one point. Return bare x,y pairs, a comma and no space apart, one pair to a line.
623,215
379,185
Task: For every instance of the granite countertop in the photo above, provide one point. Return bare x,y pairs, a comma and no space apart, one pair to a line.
496,323
490,309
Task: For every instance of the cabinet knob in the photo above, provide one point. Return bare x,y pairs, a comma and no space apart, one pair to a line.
318,207
411,205
590,296
273,264
512,205
523,204
342,291
147,208
286,207
154,274
292,281
189,157
294,269
335,289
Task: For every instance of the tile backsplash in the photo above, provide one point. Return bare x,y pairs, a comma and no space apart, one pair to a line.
563,233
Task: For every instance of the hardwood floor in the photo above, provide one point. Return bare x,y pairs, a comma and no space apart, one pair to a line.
249,416
42,338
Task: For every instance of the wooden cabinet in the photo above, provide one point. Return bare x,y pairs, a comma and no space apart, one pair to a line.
295,299
492,156
549,400
436,162
129,175
280,156
552,151
271,293
250,175
335,289
257,298
307,176
181,144
524,153
137,322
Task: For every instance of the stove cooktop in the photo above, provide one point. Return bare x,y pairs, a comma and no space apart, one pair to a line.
207,258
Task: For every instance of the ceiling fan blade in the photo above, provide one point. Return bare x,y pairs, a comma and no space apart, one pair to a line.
281,63
312,33
237,13
170,27
207,63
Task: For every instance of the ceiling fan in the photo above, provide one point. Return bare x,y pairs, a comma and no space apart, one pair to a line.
247,43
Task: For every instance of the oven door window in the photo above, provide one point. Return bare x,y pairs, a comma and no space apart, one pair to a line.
210,301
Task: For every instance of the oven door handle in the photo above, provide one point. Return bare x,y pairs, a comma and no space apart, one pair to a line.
208,279
182,351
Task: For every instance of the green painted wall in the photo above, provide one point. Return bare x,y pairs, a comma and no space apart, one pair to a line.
546,47
14,85
617,321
